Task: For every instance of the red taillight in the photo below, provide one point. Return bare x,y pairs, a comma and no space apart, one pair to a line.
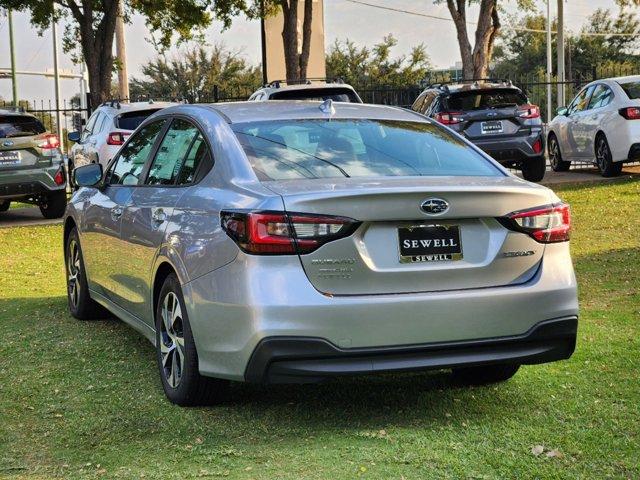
278,233
49,141
630,113
449,118
529,111
537,146
58,178
547,224
117,138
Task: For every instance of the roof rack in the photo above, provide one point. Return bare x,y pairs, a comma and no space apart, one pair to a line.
113,103
307,81
473,81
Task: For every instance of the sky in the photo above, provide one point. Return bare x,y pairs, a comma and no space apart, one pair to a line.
342,19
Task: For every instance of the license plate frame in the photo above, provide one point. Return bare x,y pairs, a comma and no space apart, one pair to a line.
10,158
436,243
491,127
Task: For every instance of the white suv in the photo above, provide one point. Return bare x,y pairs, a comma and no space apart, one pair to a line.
107,129
279,90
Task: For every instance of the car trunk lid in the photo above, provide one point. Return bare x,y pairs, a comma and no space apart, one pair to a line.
372,260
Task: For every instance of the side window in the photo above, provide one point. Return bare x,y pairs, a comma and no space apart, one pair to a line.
417,105
130,163
88,128
581,102
428,101
172,153
198,154
601,97
101,123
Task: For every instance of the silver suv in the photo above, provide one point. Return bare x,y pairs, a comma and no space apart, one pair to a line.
310,90
107,129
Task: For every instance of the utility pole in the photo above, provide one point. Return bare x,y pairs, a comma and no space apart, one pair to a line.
560,47
56,78
121,54
549,63
14,82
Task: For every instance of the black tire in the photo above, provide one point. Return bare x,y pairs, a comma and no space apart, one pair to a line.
604,159
555,157
54,204
533,168
81,306
4,206
484,375
178,368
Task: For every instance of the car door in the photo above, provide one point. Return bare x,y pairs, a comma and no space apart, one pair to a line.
597,118
577,136
103,249
151,210
80,150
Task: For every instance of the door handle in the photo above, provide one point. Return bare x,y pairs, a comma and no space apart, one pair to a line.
116,213
158,216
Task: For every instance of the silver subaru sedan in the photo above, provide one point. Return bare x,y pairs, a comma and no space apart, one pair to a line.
279,242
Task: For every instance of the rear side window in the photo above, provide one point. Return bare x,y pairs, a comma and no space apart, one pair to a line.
19,126
601,97
172,152
132,120
320,148
134,155
320,94
632,89
481,99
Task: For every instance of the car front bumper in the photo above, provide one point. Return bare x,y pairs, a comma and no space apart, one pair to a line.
237,307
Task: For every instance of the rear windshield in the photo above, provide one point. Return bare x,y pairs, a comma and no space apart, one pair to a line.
321,94
131,120
319,148
632,89
19,126
481,99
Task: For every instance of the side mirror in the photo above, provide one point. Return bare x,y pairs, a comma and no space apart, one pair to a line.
561,111
87,175
73,137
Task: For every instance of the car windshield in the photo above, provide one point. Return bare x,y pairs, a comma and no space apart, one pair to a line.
131,120
19,126
321,94
325,148
632,89
481,99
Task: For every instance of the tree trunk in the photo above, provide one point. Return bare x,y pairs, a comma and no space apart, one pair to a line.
290,39
96,41
475,61
306,38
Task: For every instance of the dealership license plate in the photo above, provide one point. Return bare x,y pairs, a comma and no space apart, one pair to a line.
491,127
9,158
429,243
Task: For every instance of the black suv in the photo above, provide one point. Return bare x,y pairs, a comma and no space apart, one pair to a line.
496,116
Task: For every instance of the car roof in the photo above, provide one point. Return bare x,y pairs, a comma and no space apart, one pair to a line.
16,112
117,107
239,112
625,79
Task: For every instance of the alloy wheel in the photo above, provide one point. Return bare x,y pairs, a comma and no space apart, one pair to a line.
554,153
73,272
602,152
172,340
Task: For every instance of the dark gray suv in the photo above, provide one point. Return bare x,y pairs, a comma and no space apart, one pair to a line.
496,116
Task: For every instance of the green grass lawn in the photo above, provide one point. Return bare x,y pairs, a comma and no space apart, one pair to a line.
83,399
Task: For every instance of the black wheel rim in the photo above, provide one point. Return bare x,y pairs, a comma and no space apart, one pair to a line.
73,273
171,340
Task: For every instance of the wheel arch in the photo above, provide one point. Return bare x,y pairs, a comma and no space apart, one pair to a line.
69,224
163,270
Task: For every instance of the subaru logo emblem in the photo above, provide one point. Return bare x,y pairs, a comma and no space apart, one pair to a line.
7,143
434,206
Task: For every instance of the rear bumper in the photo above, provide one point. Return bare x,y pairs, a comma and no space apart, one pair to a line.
512,149
634,153
31,182
305,360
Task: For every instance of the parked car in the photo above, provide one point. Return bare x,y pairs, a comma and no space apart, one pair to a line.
496,116
31,168
275,242
336,90
107,129
601,125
